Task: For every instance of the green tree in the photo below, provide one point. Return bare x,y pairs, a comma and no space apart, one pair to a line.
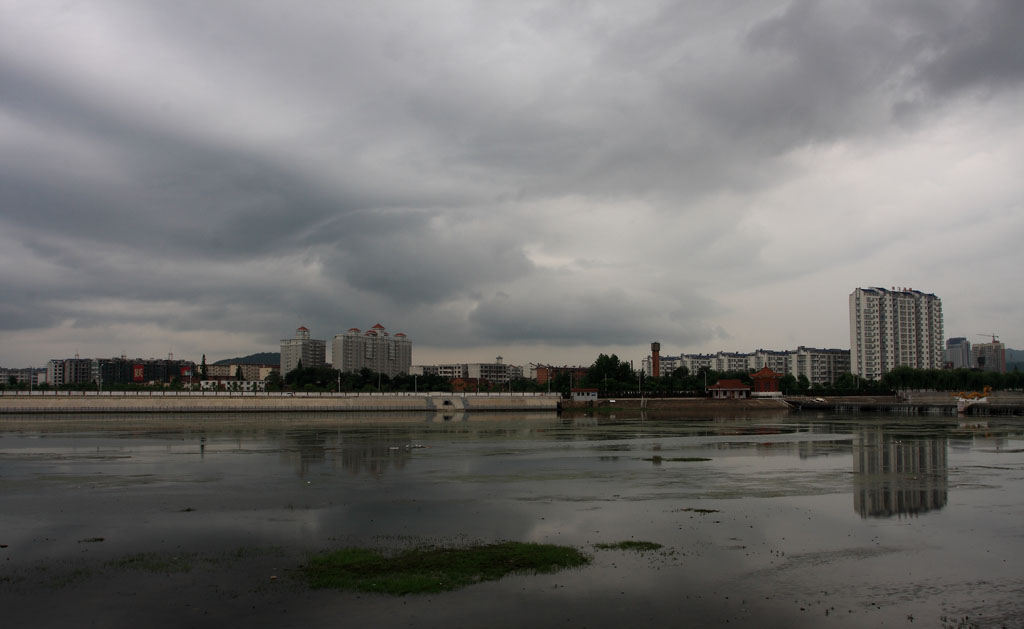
274,381
202,368
609,374
680,373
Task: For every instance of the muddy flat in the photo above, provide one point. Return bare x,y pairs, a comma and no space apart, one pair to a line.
781,520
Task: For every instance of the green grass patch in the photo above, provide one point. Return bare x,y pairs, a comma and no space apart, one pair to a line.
426,570
635,545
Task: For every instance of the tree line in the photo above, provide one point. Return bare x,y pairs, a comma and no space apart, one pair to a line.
608,374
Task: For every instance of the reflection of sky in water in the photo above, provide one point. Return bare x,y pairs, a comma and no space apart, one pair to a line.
763,509
578,480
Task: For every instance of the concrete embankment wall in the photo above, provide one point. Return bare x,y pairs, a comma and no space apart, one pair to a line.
262,403
946,397
681,404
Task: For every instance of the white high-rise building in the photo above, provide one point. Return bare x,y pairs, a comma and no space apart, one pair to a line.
894,328
312,352
375,349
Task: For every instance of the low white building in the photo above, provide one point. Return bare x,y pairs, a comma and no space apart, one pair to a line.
819,366
247,386
496,373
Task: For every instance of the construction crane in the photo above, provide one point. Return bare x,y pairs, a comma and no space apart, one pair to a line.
994,336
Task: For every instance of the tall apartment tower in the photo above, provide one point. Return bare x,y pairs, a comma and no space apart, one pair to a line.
989,356
375,349
312,352
958,353
894,328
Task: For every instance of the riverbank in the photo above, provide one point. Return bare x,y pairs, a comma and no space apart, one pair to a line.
113,402
696,405
449,405
1008,403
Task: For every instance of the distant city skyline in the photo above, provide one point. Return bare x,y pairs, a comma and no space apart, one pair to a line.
543,181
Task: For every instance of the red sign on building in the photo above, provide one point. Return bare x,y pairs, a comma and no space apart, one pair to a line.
138,373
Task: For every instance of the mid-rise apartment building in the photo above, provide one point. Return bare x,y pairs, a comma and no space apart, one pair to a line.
375,349
68,371
894,328
497,372
819,366
312,352
28,376
118,370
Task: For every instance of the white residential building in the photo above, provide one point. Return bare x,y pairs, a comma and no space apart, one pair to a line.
819,366
375,349
779,362
894,328
312,352
495,373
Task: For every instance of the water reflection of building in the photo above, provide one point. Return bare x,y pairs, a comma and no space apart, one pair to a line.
898,474
374,456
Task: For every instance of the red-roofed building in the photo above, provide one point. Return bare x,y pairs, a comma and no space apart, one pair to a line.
729,390
766,382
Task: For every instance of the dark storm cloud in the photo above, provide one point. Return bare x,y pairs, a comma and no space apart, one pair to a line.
980,48
578,318
255,165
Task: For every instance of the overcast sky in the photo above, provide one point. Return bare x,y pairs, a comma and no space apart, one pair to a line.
538,180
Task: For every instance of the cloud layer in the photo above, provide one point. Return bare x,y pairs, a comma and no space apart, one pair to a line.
546,180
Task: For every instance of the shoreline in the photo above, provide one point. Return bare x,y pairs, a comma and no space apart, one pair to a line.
185,402
440,406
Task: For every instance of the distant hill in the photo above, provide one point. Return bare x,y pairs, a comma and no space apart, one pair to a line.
262,358
1014,358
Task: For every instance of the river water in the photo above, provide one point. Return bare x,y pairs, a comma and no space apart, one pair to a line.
805,520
